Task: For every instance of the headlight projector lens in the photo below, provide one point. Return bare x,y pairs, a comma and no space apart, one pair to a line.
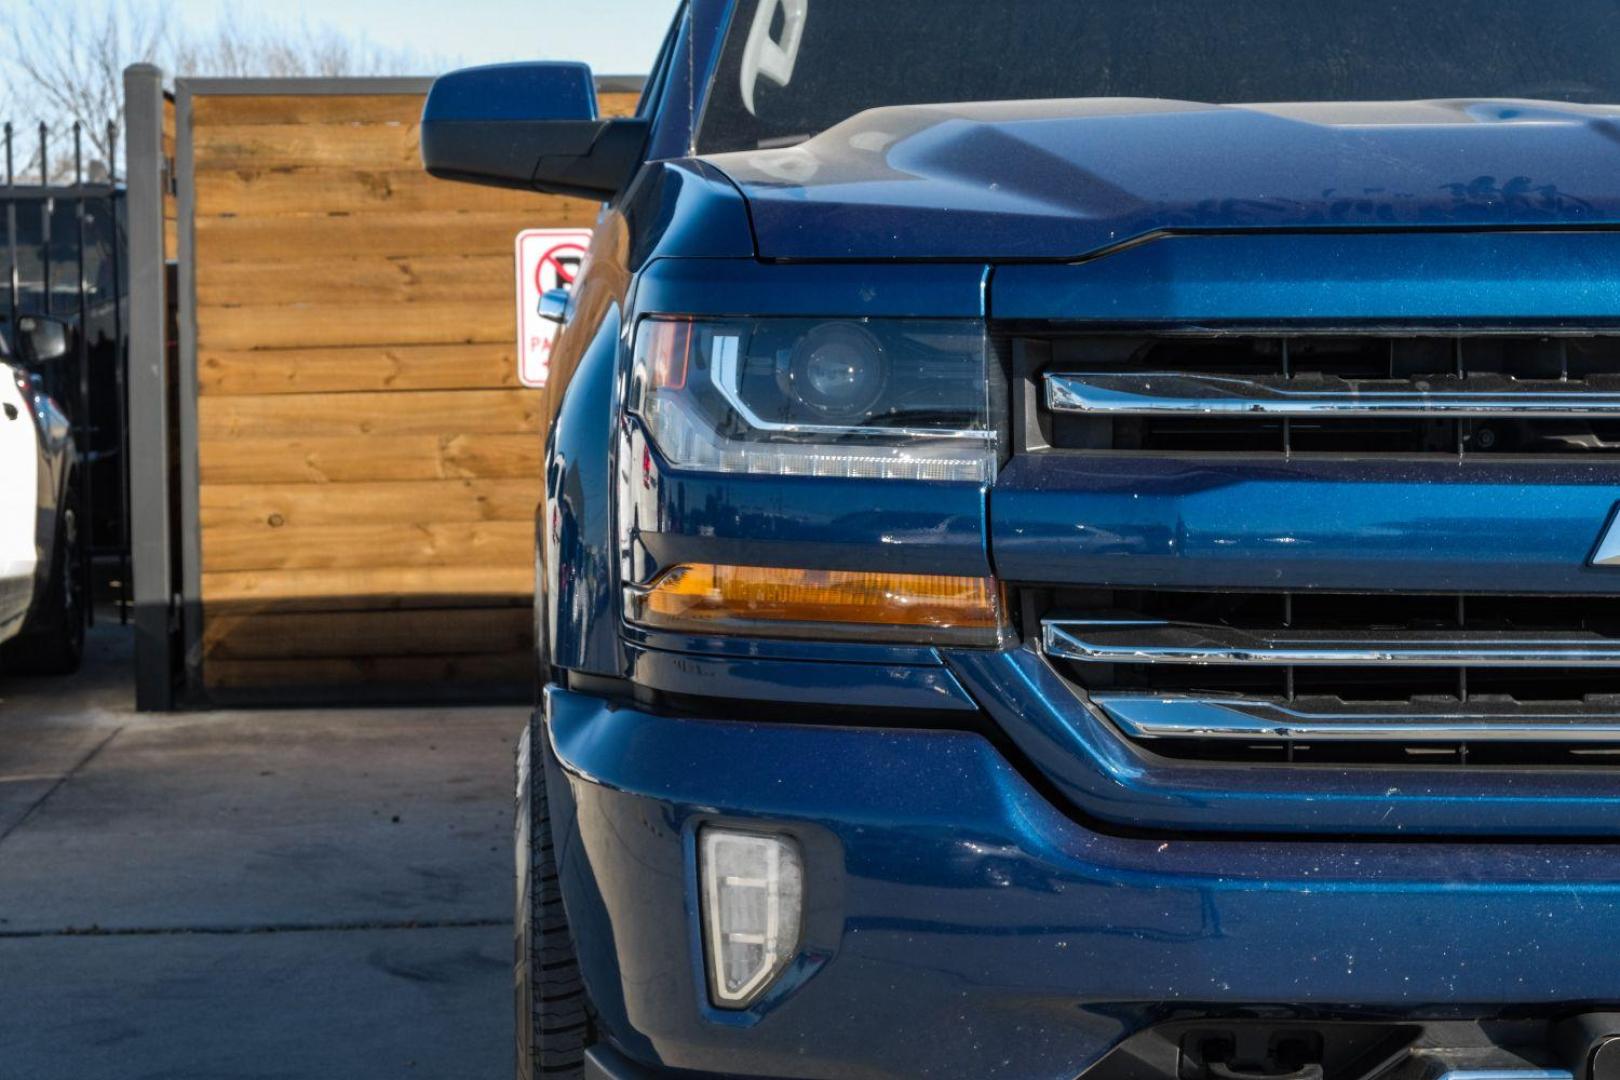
839,371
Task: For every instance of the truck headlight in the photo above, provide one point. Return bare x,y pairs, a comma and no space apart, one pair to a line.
753,899
873,399
870,399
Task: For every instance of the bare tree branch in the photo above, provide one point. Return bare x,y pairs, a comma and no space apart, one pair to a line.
65,61
240,46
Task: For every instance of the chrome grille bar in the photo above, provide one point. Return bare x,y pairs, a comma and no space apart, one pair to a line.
1106,640
1144,716
1326,396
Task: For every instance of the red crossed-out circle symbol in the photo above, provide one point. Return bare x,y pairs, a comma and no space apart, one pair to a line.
562,263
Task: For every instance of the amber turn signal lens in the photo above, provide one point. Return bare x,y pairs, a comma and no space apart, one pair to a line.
817,603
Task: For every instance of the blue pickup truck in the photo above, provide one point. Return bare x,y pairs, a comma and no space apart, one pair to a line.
1078,539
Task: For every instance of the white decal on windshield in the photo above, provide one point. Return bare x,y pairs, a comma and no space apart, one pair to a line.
766,56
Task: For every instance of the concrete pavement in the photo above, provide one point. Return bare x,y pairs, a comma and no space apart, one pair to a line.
314,893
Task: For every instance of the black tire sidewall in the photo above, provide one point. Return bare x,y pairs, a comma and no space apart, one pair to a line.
523,943
555,1024
52,642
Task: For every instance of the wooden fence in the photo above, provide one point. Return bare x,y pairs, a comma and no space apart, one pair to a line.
358,505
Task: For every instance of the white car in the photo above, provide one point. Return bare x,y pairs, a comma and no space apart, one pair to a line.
41,586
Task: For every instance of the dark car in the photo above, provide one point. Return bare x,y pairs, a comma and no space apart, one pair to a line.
1076,541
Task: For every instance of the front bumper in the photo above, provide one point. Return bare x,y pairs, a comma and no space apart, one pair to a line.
959,924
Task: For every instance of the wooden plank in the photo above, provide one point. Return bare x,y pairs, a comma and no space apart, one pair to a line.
379,588
271,191
430,412
485,280
326,635
617,104
312,240
355,146
352,547
377,367
226,110
279,506
362,670
294,326
369,472
342,109
347,460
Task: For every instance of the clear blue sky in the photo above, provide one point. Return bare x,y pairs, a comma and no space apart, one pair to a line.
616,37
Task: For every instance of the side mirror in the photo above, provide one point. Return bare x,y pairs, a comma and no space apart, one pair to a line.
554,305
530,126
41,340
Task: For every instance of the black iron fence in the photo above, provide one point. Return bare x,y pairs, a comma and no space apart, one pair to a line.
63,247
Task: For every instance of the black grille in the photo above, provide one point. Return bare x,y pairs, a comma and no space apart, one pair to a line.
1588,363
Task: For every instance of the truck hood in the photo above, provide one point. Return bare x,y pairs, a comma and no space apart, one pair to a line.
1066,179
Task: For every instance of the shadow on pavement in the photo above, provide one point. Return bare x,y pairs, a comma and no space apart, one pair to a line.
313,893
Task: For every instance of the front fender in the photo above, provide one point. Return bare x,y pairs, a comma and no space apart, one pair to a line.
577,602
58,460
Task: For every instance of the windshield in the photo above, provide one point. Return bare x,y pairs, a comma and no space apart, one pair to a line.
793,68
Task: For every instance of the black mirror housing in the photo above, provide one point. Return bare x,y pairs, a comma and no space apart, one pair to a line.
42,340
528,126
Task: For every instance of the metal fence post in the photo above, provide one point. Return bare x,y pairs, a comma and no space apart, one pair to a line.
188,531
152,539
84,423
14,275
126,589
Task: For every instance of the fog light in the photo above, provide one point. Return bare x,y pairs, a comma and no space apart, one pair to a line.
753,890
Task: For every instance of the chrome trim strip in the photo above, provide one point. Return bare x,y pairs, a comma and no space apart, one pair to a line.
1193,394
1143,716
1143,641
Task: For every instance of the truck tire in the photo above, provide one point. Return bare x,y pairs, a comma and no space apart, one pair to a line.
555,1021
52,641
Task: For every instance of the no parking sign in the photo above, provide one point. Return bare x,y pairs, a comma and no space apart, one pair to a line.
546,259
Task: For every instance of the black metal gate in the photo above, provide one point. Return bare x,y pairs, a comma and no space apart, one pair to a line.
63,246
